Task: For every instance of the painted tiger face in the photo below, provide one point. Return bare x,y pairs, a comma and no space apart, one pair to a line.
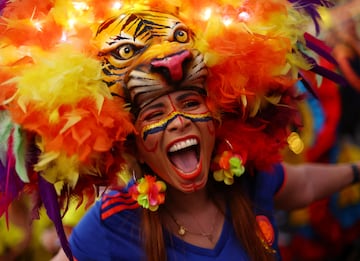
149,54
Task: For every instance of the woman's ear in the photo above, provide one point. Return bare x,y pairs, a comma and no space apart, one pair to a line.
132,149
133,164
139,158
137,154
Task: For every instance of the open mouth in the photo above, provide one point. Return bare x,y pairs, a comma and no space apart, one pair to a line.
184,155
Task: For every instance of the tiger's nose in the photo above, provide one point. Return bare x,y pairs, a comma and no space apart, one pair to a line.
172,66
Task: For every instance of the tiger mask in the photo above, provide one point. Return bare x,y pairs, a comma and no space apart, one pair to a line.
148,54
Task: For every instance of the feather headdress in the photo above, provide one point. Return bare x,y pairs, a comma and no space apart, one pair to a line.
62,133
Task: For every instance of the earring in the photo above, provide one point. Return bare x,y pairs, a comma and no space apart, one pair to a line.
230,165
148,192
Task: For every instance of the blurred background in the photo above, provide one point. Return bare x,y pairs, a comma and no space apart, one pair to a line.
328,230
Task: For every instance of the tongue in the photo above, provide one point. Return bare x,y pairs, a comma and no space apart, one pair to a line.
185,160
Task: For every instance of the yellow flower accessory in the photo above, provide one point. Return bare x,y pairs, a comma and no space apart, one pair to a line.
149,193
230,165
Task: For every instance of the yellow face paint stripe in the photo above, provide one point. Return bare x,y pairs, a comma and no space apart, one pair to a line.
163,123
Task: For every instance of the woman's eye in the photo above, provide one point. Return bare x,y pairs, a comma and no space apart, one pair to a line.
153,116
191,104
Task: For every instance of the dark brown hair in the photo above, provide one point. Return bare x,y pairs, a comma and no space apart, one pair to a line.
243,219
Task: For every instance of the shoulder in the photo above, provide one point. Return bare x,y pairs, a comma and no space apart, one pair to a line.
264,185
115,202
109,228
271,180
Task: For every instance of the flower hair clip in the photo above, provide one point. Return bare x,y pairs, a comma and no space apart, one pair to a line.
149,192
230,165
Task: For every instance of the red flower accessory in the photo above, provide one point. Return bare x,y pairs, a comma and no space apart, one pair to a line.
149,192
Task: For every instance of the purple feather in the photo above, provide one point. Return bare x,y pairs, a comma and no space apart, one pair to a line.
331,75
3,4
49,198
310,7
10,187
320,48
10,183
308,87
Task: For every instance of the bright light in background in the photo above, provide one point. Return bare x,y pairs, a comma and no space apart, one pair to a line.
64,37
71,22
244,16
80,6
37,25
227,21
117,5
80,9
206,14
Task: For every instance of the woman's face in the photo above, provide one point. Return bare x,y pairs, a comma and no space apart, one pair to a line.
176,138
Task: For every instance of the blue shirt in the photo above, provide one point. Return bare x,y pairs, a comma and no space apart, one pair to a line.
111,228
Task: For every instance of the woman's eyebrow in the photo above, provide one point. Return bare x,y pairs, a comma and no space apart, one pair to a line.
185,95
154,106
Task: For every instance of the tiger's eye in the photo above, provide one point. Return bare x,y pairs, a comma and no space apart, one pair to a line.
126,51
181,36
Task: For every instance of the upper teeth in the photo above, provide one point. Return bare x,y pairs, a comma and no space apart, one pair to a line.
182,145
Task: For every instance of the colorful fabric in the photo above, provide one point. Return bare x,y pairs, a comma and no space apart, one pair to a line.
102,236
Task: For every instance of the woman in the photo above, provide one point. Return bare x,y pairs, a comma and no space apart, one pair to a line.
178,134
200,220
204,101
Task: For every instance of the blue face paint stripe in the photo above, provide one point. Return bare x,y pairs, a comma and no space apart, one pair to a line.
162,124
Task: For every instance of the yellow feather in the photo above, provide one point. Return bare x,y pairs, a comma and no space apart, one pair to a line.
57,167
72,120
63,77
255,108
275,99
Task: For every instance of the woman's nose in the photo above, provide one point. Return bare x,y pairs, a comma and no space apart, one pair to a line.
179,123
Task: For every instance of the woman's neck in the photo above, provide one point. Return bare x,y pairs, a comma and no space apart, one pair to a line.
194,217
189,202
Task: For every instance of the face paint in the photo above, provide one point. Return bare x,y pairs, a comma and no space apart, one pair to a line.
162,124
177,139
